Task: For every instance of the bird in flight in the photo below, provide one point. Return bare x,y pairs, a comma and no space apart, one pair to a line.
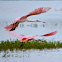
37,11
25,38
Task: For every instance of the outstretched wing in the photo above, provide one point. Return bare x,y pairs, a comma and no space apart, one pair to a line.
50,34
13,26
8,27
39,11
29,37
17,35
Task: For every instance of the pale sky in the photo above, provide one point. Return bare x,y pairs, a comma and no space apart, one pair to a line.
14,9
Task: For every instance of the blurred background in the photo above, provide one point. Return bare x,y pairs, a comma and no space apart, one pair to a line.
10,10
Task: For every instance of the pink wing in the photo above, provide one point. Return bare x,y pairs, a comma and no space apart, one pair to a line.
49,34
39,11
16,20
17,35
23,18
29,37
8,27
14,24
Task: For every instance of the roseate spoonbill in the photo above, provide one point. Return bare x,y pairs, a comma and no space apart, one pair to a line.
29,37
40,10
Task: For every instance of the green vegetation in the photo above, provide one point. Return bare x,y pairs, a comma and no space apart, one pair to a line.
35,44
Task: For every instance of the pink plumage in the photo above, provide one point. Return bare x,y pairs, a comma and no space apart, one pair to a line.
8,27
28,37
13,26
50,34
39,11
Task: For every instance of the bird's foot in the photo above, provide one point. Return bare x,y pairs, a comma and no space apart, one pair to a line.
22,44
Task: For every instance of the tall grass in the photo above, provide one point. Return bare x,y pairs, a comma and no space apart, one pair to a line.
11,45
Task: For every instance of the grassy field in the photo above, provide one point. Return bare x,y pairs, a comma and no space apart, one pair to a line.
35,44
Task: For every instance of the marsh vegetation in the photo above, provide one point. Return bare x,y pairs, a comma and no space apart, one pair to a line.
34,44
